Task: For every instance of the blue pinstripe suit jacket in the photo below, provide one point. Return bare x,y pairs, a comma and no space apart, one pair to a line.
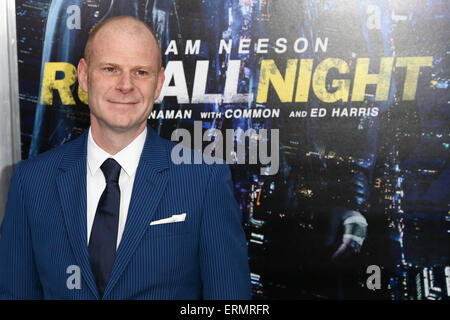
44,230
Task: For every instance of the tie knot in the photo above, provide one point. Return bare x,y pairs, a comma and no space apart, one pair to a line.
111,170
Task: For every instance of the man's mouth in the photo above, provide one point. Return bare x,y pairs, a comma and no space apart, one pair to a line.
122,102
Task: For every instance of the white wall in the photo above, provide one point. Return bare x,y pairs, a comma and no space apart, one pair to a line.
9,99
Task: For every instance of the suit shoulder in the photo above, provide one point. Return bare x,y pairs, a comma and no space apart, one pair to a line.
48,160
186,163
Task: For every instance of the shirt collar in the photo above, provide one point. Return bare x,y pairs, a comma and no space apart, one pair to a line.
128,157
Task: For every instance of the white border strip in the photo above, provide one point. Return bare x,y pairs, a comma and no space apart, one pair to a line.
10,152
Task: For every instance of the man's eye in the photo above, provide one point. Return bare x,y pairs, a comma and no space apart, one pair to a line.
141,73
110,69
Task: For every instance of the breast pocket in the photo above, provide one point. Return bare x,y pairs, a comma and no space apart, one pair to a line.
170,226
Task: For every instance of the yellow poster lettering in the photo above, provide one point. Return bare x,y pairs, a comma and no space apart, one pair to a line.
412,65
269,73
342,86
50,83
382,79
304,80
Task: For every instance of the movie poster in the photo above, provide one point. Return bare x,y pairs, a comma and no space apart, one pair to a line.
333,116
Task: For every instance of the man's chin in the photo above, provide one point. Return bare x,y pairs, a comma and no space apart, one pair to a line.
122,128
118,125
126,128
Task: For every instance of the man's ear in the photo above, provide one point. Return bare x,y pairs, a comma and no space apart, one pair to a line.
160,83
83,74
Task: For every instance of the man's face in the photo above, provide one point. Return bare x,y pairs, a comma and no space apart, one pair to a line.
122,78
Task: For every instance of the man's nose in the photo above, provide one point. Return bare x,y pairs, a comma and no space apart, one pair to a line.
125,83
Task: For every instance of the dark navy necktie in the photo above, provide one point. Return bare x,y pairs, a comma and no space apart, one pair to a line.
103,239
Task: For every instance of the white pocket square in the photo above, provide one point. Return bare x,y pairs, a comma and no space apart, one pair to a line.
174,218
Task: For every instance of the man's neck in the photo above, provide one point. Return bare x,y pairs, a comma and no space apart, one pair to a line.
112,141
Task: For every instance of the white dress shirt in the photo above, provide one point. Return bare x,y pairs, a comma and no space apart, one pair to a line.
128,158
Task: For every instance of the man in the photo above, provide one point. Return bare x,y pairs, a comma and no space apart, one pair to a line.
111,207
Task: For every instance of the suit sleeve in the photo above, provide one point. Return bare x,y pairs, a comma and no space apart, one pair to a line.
223,249
18,274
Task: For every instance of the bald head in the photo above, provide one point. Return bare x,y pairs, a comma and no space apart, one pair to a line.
128,24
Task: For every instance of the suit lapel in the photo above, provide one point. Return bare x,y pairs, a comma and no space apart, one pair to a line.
148,188
71,183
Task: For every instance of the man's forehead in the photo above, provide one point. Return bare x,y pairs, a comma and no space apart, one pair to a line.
123,36
121,48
